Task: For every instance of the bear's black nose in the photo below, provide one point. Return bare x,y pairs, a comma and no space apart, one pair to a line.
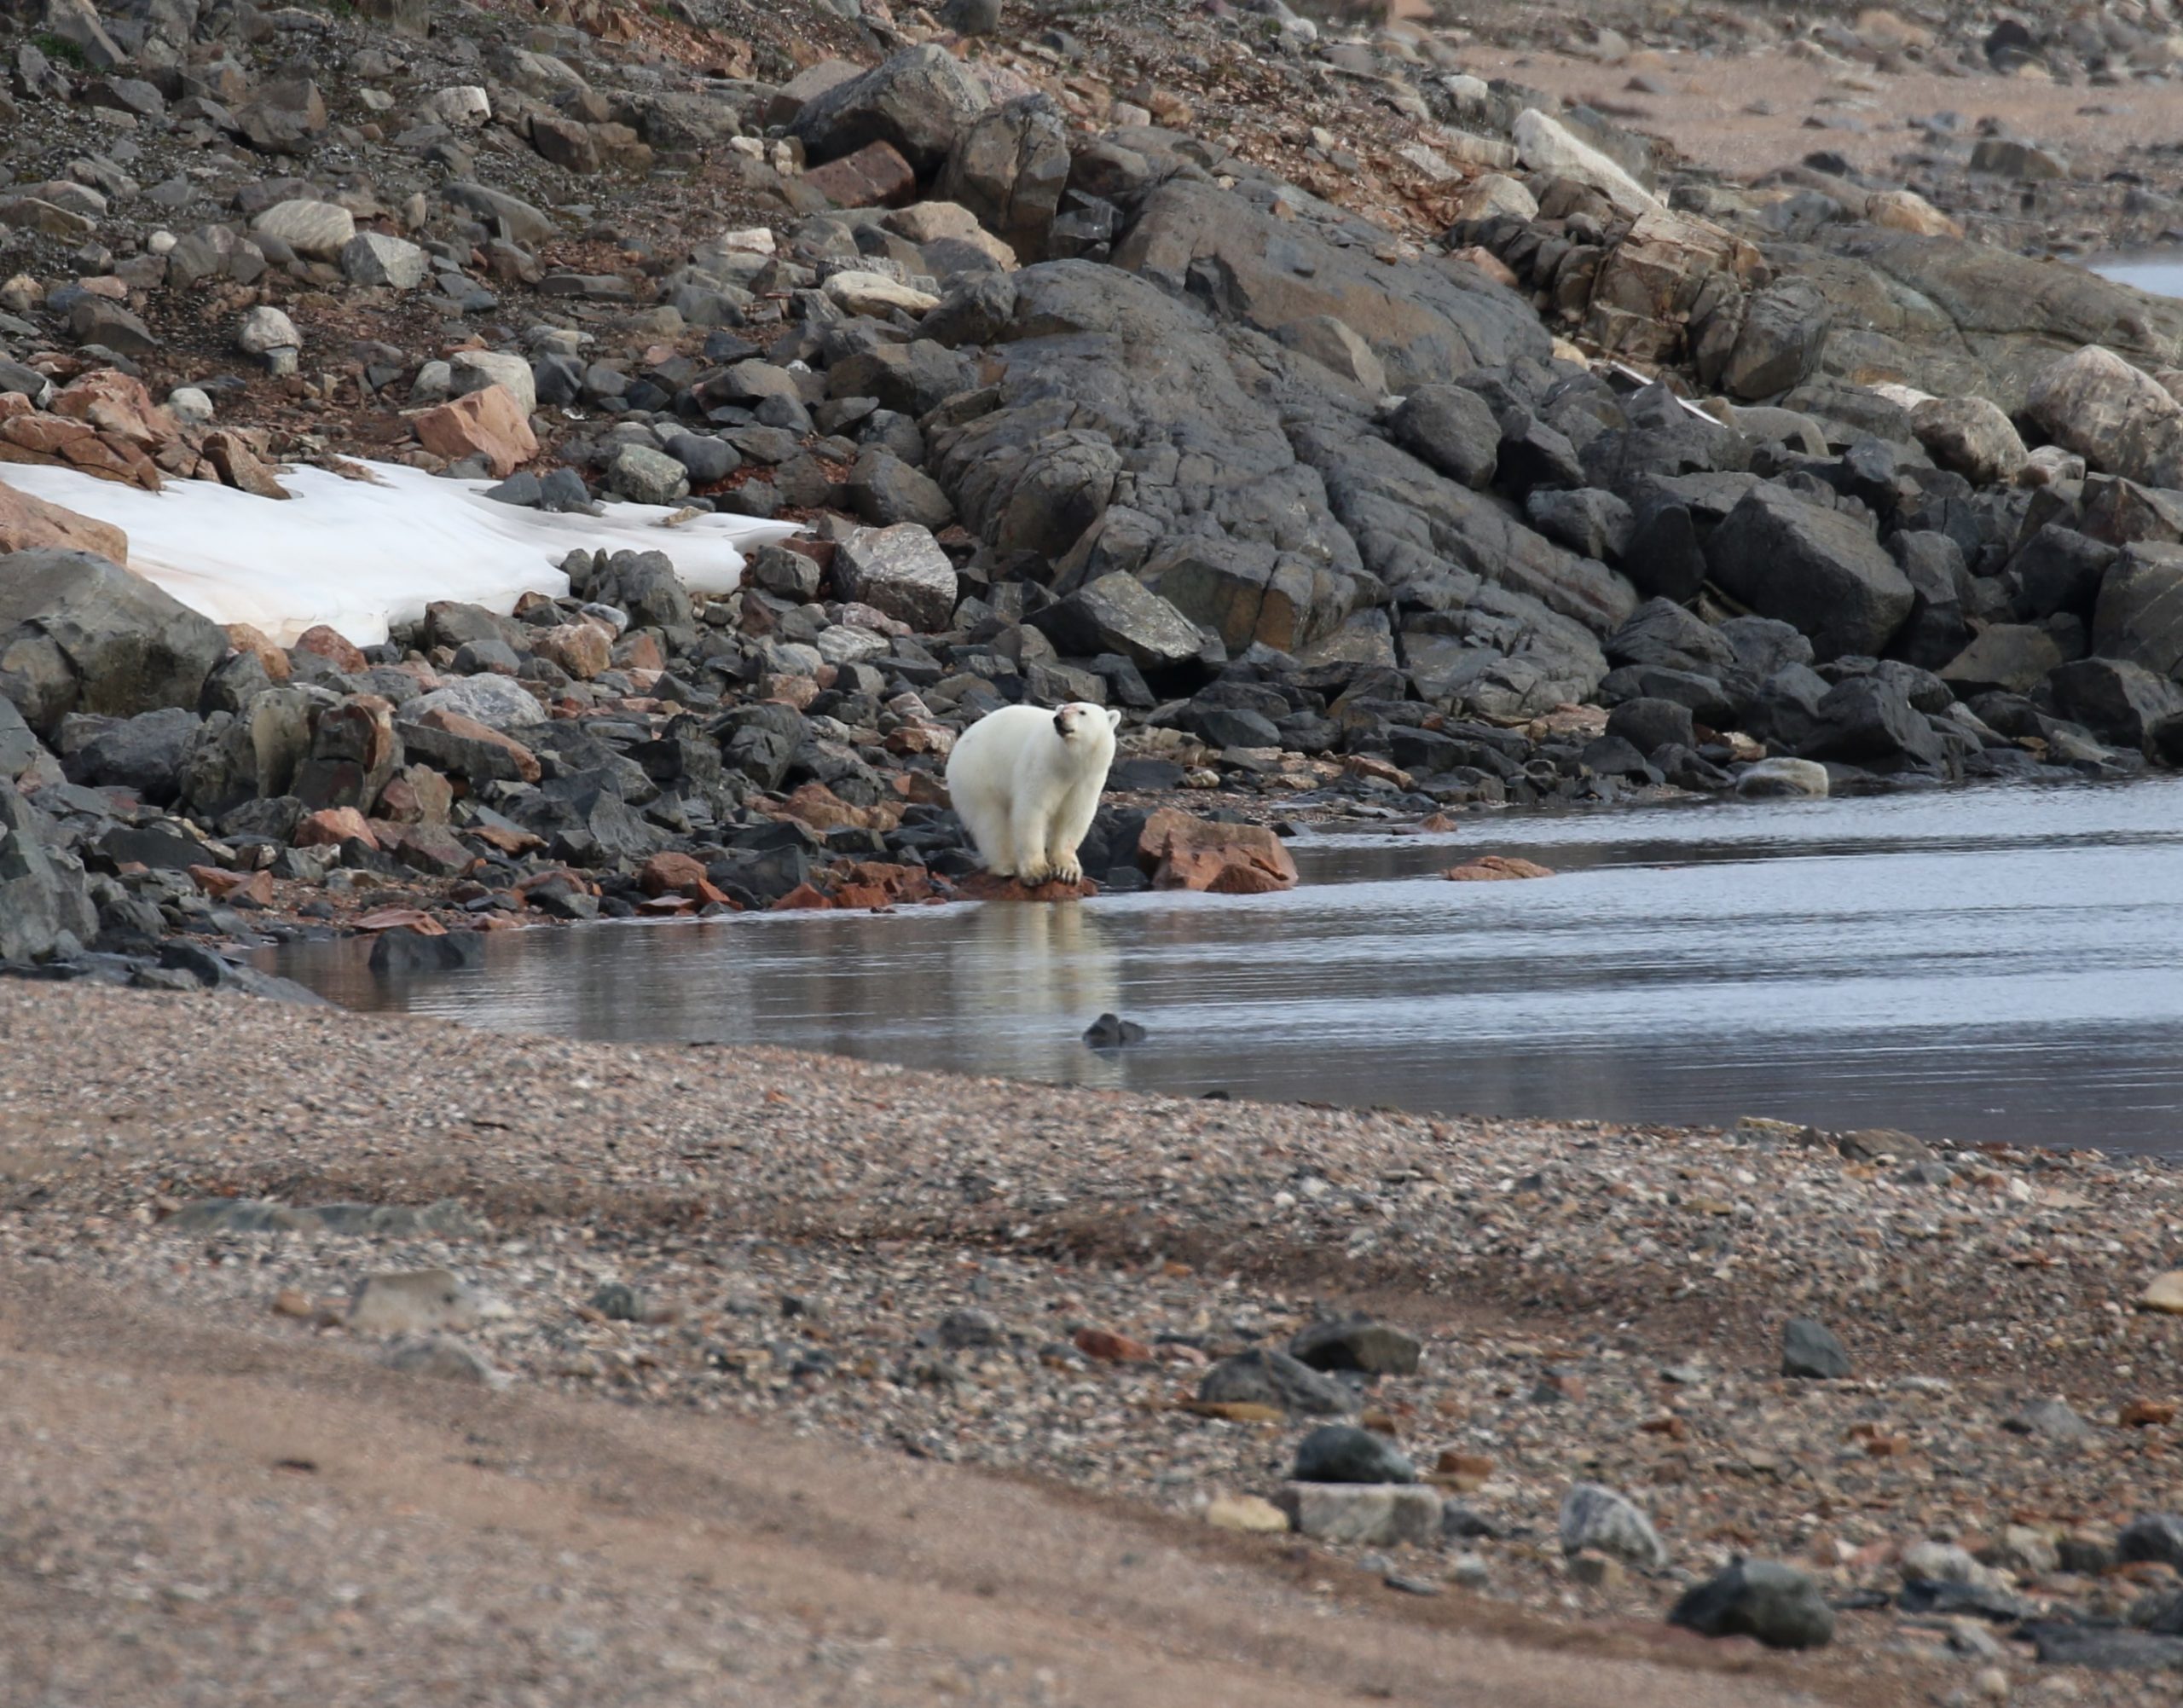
1060,724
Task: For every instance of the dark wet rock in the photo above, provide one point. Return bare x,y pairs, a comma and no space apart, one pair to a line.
45,907
2119,703
1589,521
1817,569
1356,1342
1777,1604
1662,633
1342,1453
1650,724
1263,1376
2138,617
1808,1349
145,754
77,634
1112,1032
2059,570
1869,720
403,952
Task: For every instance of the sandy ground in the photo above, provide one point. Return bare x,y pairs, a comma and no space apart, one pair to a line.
213,1490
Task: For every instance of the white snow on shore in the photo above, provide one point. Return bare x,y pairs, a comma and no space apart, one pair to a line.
357,556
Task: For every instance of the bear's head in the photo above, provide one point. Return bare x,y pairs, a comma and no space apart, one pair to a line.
1079,722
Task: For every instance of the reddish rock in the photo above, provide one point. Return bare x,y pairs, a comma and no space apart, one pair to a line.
582,649
521,758
876,176
260,645
804,895
119,408
333,827
238,467
510,841
417,795
816,805
488,422
334,647
435,849
1185,852
983,886
30,524
641,653
1495,868
1110,1348
400,919
243,890
670,874
790,690
2137,1414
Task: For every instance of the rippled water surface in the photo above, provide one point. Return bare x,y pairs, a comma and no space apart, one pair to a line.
2002,964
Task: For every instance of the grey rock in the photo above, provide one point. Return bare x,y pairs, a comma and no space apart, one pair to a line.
1777,1604
444,1359
1342,1453
1810,1350
145,754
2138,617
1382,1515
2051,1419
899,570
1597,1518
919,102
1869,720
884,489
1591,522
411,1302
496,702
1784,328
1010,166
1817,569
1648,725
2013,658
264,330
1263,1376
46,906
645,476
2153,1536
1357,1343
1118,613
372,257
2118,702
77,634
1453,428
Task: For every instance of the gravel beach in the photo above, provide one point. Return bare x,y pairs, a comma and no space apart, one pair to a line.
622,1271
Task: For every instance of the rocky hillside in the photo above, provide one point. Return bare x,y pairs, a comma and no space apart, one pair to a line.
1379,437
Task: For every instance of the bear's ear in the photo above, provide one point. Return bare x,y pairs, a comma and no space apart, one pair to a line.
1113,717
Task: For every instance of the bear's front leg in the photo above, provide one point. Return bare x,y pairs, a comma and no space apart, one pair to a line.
1029,824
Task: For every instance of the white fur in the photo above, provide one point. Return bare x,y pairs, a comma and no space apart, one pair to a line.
1026,781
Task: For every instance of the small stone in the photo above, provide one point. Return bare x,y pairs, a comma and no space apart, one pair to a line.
1810,1350
1250,1513
2163,1293
1343,1453
372,257
2155,1536
1597,1518
2052,1418
319,231
1469,1572
1779,1605
264,330
444,1359
1110,1348
413,1302
963,1330
875,294
1375,1514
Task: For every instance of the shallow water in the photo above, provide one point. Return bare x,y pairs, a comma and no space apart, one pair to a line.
1993,964
2158,276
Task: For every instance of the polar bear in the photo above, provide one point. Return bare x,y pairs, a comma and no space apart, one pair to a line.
1025,782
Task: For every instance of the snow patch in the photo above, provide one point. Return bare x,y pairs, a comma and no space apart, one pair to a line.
358,556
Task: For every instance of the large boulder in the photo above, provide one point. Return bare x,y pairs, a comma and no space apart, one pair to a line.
917,102
1869,720
1118,613
1258,256
43,904
2118,702
1010,167
1778,345
1973,436
2119,420
900,571
1250,591
28,523
1816,568
2140,615
77,634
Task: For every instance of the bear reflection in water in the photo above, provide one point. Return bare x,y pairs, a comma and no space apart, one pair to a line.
1026,979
